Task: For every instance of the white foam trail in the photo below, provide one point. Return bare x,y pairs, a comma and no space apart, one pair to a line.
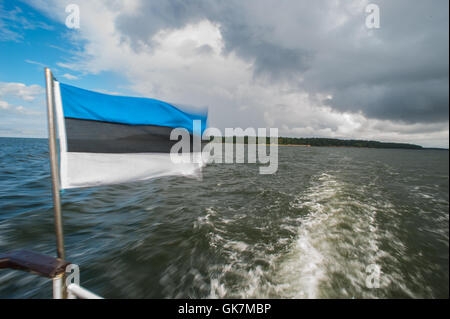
338,238
305,266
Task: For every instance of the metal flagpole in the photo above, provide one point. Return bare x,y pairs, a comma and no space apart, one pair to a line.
54,164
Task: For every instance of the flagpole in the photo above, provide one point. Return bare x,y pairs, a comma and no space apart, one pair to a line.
54,164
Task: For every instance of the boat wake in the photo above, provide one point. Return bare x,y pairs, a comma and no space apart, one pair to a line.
331,241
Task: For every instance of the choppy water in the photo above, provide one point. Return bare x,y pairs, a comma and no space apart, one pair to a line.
309,231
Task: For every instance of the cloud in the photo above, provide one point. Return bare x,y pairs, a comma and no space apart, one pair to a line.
42,65
398,72
5,106
309,68
13,23
70,76
20,90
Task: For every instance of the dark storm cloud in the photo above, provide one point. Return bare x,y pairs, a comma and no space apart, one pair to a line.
398,72
247,39
269,58
153,16
423,101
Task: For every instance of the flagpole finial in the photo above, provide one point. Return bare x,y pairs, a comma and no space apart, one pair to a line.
47,70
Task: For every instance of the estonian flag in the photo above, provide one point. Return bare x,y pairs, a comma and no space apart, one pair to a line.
110,139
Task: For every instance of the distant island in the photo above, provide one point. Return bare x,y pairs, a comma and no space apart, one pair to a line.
315,141
346,143
334,142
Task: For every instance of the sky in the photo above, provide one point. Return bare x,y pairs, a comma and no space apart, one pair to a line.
309,68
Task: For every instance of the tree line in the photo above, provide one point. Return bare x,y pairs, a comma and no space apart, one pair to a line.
317,141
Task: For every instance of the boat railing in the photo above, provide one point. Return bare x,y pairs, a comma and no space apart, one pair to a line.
75,291
49,267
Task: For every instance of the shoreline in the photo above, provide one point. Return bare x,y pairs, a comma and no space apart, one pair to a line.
290,145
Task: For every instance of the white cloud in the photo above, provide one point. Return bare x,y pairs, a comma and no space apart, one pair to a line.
35,63
4,105
189,64
20,90
14,21
22,110
70,76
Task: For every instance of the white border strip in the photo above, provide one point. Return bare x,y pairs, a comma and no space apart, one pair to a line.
61,135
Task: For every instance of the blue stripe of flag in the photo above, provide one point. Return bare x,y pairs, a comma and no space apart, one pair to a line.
88,105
